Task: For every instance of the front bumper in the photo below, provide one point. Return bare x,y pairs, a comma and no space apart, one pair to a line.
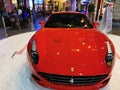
71,83
63,82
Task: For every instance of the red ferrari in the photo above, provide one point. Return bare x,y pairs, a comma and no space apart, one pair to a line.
69,53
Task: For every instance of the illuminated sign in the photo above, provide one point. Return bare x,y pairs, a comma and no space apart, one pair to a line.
85,1
38,1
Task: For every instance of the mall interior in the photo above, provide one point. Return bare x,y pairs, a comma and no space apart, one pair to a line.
16,33
43,8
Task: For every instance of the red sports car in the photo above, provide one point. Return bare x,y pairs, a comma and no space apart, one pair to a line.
69,53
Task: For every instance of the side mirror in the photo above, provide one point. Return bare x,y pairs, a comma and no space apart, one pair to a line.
95,24
41,23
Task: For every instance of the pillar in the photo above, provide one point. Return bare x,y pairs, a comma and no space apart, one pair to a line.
33,4
73,5
79,5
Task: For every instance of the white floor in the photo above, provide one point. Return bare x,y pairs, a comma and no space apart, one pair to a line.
14,70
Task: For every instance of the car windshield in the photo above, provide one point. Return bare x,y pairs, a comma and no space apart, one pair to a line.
68,20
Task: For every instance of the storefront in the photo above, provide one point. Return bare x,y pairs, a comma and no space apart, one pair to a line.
53,5
47,6
21,3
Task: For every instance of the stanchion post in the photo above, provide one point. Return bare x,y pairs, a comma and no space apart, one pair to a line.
32,22
19,26
3,20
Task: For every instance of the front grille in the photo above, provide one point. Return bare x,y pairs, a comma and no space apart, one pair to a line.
73,80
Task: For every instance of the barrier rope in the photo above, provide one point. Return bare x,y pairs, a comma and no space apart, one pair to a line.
117,56
22,50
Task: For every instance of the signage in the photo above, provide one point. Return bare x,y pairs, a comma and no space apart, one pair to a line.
84,1
109,18
106,23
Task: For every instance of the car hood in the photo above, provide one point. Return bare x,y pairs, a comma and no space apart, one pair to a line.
72,48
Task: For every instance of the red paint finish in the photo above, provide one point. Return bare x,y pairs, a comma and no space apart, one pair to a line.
71,52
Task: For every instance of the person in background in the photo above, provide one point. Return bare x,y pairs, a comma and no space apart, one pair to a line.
91,9
34,14
29,14
20,15
25,15
14,19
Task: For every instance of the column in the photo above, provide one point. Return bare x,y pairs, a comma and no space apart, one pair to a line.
33,4
79,5
73,5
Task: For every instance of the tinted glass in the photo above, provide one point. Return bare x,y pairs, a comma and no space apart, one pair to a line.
68,21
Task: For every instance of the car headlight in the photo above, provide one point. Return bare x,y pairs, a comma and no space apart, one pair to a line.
109,55
33,53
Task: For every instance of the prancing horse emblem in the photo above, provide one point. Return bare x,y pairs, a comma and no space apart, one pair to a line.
72,80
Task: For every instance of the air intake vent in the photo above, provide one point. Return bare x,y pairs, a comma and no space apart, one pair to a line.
73,80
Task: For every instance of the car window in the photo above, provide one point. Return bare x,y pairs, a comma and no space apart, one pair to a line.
67,20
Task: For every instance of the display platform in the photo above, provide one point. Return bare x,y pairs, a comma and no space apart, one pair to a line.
14,70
